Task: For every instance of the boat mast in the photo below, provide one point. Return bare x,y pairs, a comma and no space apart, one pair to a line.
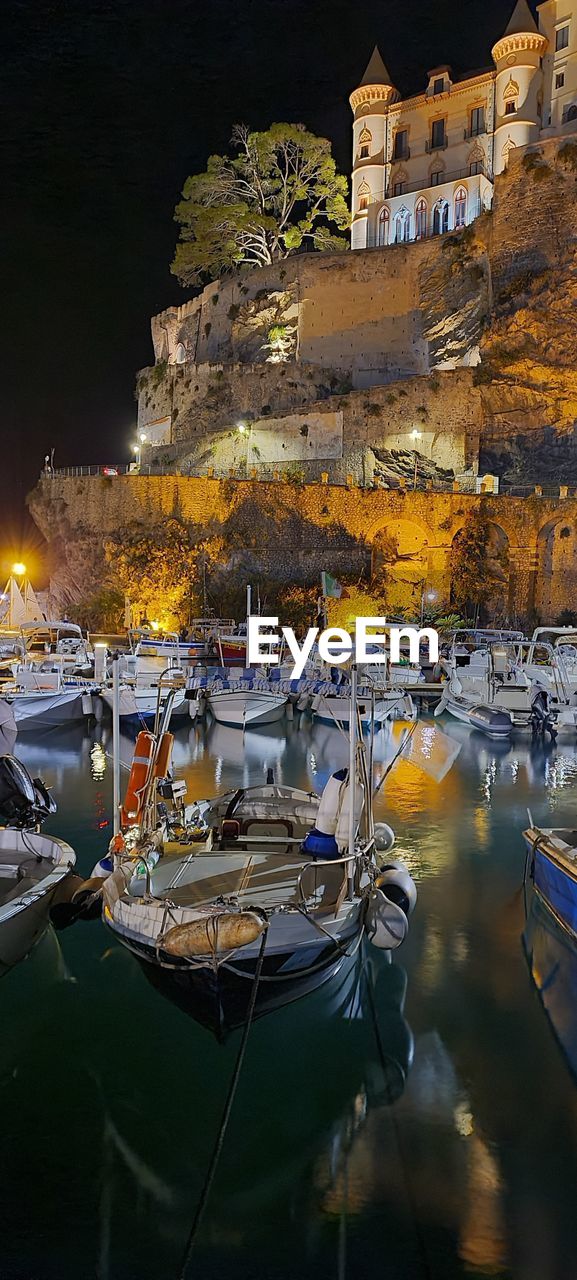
248,612
352,758
115,745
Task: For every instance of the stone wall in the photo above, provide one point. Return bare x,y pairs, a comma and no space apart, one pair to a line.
352,431
500,298
293,531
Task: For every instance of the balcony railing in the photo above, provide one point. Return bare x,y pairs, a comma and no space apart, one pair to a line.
427,185
405,154
469,134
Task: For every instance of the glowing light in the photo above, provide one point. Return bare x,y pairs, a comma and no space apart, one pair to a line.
416,435
136,448
142,437
155,626
242,428
19,569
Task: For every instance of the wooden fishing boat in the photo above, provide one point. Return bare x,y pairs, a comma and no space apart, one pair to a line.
260,894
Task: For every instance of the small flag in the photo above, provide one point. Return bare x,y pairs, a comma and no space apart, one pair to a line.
332,589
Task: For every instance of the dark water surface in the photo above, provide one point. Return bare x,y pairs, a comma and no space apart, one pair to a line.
430,1133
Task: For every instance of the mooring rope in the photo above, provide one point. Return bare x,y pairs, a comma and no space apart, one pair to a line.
204,1195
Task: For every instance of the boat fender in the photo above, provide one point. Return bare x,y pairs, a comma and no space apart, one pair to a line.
103,868
139,774
320,842
386,923
211,935
384,837
76,899
394,881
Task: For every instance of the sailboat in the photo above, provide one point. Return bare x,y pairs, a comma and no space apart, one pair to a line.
262,893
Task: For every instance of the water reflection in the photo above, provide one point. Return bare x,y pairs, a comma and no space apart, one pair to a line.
116,1095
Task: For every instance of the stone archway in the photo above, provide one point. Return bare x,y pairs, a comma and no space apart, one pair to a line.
400,562
556,581
490,570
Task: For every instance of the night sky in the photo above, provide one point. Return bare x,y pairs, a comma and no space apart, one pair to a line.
105,107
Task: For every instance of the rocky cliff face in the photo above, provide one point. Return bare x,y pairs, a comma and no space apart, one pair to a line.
458,353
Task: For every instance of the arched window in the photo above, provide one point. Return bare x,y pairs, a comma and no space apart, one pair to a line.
364,195
383,227
402,226
441,217
421,219
180,353
365,139
510,96
460,207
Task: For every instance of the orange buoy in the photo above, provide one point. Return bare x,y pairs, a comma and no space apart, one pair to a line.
139,776
164,755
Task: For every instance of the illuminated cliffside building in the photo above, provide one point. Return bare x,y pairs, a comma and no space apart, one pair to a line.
426,164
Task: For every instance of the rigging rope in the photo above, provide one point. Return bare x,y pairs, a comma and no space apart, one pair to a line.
203,1200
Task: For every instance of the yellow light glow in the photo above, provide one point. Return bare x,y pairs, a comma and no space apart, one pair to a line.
19,569
142,436
155,626
416,435
242,428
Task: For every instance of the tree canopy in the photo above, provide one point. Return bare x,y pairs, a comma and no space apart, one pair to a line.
277,193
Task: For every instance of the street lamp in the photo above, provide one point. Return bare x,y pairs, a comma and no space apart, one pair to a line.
415,435
430,596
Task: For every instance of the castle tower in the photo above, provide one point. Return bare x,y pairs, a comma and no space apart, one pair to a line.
371,144
518,85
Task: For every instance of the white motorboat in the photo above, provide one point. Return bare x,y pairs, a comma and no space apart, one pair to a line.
247,708
33,866
39,696
392,704
256,896
138,702
492,692
63,642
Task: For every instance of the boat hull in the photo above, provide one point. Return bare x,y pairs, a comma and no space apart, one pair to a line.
25,918
554,880
248,708
48,709
218,997
394,706
140,705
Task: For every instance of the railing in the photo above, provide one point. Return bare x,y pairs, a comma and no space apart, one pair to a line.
455,176
274,475
431,146
405,154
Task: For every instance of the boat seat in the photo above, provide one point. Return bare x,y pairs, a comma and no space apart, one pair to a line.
274,828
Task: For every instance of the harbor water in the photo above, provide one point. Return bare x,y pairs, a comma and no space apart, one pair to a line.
416,1118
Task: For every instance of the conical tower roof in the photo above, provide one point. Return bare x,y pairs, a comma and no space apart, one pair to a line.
376,72
521,21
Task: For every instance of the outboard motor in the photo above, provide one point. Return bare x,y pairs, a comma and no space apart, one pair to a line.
24,801
542,719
